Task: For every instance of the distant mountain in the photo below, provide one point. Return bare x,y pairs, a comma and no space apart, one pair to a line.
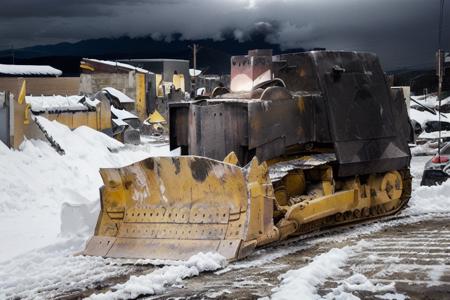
214,56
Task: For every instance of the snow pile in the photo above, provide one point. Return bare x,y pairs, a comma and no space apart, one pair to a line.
429,199
55,103
304,281
78,215
82,142
45,196
358,282
118,95
155,282
29,70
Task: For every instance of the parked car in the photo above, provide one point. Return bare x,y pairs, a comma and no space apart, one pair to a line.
437,169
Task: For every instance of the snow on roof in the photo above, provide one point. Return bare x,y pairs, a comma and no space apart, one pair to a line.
426,100
430,101
119,122
194,72
119,95
210,77
118,64
122,114
29,70
434,135
55,103
424,116
91,102
158,60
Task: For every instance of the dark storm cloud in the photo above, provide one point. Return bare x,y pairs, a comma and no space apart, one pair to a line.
402,32
67,8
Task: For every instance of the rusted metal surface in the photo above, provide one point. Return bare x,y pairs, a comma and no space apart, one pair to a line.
250,70
338,100
280,169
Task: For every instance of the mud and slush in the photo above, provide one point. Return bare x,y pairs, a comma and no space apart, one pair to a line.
408,260
414,257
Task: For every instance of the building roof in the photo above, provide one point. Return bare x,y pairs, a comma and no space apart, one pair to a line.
28,70
118,95
122,114
119,122
194,72
156,60
56,103
113,64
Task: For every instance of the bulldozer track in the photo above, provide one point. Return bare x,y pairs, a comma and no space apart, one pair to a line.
339,221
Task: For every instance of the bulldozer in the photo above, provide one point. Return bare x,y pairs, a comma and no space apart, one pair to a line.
300,142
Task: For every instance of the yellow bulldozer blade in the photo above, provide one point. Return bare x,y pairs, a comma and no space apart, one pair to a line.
175,207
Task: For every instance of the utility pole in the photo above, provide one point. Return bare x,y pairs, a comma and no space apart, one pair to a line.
194,54
13,54
195,49
440,70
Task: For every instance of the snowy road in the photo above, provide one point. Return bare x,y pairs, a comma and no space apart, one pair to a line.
364,263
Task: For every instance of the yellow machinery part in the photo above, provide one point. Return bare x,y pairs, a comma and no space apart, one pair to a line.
175,207
156,117
22,93
178,81
141,105
159,85
26,120
86,66
172,208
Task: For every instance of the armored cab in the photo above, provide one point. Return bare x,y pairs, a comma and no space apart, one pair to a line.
299,103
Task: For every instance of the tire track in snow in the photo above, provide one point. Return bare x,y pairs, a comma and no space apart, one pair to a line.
396,269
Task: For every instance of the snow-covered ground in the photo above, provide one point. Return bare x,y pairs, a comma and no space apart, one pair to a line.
304,281
49,204
156,281
46,197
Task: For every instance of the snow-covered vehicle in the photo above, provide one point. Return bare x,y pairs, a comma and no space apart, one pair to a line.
424,114
437,169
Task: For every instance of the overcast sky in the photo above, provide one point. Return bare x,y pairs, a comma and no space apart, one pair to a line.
402,32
